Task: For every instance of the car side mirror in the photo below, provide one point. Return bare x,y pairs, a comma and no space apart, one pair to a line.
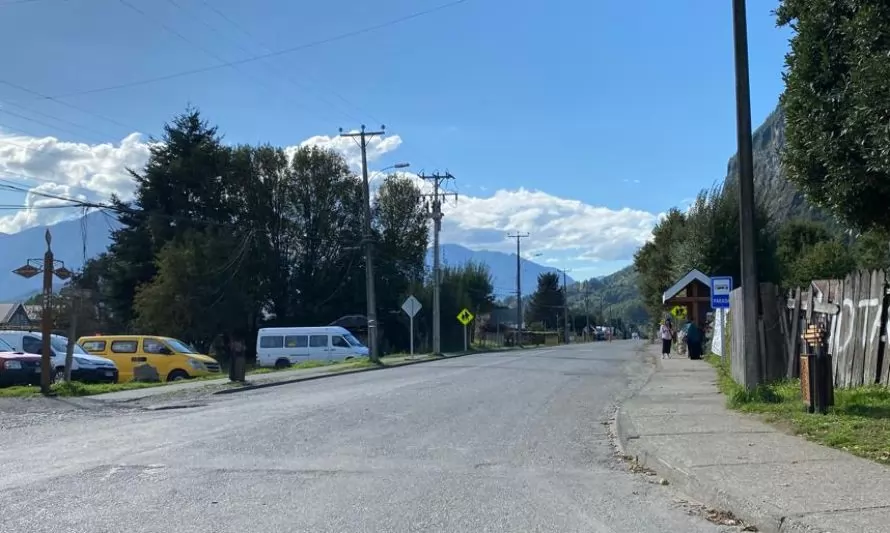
166,351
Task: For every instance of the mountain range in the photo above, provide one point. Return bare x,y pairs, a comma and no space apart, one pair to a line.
74,241
784,201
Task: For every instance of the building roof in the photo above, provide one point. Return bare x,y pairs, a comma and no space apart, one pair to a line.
693,275
6,311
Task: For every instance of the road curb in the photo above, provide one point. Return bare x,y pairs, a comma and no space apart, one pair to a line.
707,492
291,381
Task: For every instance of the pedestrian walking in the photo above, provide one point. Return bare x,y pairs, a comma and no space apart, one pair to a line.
667,336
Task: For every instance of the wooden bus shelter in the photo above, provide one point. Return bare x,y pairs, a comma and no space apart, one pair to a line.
690,296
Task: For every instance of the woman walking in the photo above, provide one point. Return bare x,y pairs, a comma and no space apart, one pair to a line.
667,335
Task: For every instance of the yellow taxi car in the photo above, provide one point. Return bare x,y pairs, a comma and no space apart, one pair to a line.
150,358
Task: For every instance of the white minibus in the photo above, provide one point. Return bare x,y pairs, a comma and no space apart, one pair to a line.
283,347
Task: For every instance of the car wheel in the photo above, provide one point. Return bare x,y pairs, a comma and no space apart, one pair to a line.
281,364
177,375
59,375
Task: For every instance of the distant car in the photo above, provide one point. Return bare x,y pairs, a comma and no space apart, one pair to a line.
85,367
17,368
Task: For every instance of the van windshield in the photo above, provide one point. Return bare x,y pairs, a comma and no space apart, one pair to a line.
179,346
352,340
60,345
5,346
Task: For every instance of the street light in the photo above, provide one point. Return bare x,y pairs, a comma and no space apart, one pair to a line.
48,267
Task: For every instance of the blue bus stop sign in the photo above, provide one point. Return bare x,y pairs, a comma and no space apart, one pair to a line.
721,286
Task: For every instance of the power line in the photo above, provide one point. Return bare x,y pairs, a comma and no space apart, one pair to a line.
304,46
66,104
51,117
38,121
173,31
267,49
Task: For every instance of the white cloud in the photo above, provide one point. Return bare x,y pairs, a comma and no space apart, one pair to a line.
349,147
562,231
68,169
554,224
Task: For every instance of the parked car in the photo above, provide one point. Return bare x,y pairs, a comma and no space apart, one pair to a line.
85,367
17,368
150,358
282,347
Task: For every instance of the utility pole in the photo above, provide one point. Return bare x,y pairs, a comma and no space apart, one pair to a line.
364,138
747,245
586,306
565,304
518,236
437,197
48,268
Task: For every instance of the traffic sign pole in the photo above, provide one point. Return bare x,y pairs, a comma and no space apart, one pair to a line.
412,335
466,348
411,307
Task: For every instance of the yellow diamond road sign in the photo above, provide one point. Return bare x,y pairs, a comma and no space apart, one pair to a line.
679,311
465,316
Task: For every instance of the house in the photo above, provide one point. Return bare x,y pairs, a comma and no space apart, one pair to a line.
16,315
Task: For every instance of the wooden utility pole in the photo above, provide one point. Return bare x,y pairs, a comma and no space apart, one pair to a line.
747,244
436,214
364,138
518,237
565,304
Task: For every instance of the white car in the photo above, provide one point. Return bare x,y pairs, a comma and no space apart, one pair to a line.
85,367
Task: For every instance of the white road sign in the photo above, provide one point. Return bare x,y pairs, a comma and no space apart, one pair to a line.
411,306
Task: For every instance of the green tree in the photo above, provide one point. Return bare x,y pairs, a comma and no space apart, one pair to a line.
178,190
808,251
202,289
325,211
547,302
872,250
654,261
400,225
836,103
710,241
824,260
467,286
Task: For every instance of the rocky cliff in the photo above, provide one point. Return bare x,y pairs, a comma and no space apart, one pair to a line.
783,199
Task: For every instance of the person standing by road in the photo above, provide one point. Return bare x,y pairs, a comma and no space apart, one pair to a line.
694,340
667,336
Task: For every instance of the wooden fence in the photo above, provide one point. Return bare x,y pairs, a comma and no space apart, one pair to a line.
855,312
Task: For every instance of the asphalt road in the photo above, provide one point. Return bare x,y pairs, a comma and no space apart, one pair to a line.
510,442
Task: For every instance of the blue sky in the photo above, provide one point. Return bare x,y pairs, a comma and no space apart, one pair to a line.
616,105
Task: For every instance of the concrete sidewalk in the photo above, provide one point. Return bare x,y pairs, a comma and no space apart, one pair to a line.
678,425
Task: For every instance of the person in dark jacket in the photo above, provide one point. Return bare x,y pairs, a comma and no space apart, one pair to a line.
694,338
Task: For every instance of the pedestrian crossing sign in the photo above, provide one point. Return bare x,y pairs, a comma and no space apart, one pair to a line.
465,316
